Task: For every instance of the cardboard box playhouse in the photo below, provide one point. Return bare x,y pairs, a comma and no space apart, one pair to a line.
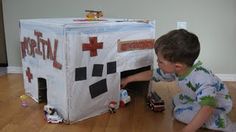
75,64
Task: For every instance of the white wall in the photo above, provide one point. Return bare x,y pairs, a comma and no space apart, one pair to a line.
214,21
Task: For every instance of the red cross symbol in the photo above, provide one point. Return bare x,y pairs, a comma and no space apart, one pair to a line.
29,74
92,46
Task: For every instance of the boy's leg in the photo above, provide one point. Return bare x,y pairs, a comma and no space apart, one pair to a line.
185,113
220,122
176,101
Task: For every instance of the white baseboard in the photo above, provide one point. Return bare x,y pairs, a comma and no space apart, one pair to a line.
223,77
14,69
227,77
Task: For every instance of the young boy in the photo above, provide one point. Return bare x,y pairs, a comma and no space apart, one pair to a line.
204,100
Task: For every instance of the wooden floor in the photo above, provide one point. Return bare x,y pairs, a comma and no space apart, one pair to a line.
135,117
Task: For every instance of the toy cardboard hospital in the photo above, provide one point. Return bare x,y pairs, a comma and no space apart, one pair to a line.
75,64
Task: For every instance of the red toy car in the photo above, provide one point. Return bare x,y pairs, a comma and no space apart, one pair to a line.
155,102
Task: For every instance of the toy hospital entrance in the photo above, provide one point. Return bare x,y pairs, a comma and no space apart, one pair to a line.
42,87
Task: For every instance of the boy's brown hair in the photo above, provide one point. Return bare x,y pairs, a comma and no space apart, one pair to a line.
178,46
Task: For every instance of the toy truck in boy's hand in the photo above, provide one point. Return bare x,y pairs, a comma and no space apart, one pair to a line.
155,102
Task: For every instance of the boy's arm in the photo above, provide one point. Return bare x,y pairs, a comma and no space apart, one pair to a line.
142,76
199,119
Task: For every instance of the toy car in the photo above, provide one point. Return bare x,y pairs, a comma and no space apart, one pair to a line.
154,102
52,115
53,118
92,14
124,97
112,106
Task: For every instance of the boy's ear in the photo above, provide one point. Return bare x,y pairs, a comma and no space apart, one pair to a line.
179,66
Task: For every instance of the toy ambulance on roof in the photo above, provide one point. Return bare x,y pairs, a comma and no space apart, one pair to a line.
74,64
